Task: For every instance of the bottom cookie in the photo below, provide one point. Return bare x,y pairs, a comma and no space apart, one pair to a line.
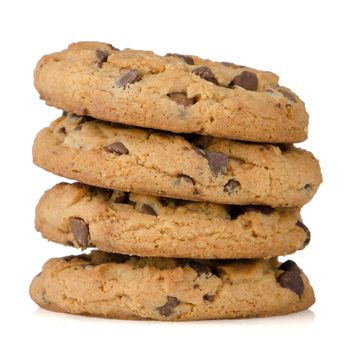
129,287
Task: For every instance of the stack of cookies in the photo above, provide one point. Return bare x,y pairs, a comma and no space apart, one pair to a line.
187,220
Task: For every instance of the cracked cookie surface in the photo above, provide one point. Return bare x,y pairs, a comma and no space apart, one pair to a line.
198,168
134,224
175,93
119,286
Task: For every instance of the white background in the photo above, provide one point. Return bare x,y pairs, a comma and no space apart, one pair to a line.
305,42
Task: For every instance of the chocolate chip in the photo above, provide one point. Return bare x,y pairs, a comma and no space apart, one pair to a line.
102,57
70,243
307,231
62,130
289,96
168,308
186,178
147,209
130,77
196,286
209,297
80,231
181,99
246,80
229,64
187,59
206,74
202,268
231,186
307,187
291,278
118,148
217,161
289,265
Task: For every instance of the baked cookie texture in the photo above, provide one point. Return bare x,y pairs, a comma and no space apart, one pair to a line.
175,93
119,286
133,224
197,168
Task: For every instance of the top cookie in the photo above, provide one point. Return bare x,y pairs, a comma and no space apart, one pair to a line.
175,93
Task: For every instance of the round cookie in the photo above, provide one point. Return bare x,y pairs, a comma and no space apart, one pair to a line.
133,224
175,93
119,286
198,168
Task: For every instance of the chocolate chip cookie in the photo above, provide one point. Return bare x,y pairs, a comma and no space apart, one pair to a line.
191,167
176,93
120,286
129,223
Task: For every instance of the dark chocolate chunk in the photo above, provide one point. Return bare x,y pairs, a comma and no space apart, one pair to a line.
187,59
62,130
209,297
291,278
289,265
181,99
217,161
130,77
246,80
307,231
231,186
80,230
168,308
102,57
118,148
206,74
147,209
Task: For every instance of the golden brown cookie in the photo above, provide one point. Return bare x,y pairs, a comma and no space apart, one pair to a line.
198,168
175,93
129,223
119,286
